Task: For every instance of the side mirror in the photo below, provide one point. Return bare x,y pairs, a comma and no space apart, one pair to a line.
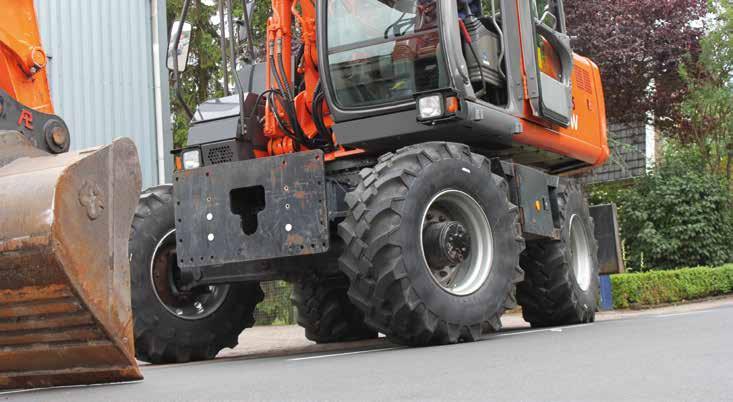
179,55
549,19
242,30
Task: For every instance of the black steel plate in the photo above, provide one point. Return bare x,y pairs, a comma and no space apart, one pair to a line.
534,189
294,220
610,253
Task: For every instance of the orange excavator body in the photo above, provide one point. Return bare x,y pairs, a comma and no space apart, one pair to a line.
65,315
584,139
22,58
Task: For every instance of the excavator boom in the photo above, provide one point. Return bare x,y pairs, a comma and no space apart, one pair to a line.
65,315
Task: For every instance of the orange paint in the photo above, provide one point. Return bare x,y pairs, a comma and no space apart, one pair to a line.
278,30
342,153
586,138
278,45
451,104
22,59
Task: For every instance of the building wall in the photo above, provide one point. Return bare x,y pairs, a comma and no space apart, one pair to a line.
632,153
101,71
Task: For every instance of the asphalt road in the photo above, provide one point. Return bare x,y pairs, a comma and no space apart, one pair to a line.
664,357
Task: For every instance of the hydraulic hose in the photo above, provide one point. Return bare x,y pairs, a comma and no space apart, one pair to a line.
317,113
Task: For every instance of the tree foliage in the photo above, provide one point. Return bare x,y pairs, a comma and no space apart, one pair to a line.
203,79
706,113
679,215
276,309
638,45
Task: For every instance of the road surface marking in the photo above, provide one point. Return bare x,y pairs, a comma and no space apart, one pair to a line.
685,313
105,384
558,329
519,333
342,354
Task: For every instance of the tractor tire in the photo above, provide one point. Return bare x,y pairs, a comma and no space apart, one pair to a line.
434,202
172,326
326,313
561,276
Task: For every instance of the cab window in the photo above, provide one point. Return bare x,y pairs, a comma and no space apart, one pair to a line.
548,13
383,51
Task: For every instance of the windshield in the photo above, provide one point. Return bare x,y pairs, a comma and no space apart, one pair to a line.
382,52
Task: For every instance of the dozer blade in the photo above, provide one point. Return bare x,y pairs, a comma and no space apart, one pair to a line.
65,315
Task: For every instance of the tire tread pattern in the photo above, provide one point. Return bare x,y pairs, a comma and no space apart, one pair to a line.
372,258
325,311
548,295
156,341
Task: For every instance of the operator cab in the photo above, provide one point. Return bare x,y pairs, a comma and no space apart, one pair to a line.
451,61
383,52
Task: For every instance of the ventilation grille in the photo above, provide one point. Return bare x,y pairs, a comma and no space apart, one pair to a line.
221,154
582,79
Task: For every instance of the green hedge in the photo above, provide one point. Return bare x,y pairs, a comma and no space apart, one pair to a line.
659,287
276,309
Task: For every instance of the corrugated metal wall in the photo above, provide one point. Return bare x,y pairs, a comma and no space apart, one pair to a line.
101,72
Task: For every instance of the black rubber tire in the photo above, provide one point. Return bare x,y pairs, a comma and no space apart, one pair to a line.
550,294
389,279
160,336
326,313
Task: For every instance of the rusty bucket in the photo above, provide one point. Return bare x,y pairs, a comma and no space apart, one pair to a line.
65,315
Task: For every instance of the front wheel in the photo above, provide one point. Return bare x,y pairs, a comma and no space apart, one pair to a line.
432,245
172,325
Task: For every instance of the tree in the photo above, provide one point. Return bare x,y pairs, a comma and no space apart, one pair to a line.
638,45
678,216
203,79
706,113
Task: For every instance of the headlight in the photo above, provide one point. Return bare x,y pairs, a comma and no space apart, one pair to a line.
192,159
430,107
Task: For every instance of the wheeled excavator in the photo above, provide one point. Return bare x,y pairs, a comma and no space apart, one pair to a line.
403,163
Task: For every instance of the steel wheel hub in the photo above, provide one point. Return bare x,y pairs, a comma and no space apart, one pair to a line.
581,259
194,304
446,243
456,242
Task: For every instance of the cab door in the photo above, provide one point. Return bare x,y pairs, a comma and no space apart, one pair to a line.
548,60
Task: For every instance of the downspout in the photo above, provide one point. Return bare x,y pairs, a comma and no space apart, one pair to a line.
157,89
650,142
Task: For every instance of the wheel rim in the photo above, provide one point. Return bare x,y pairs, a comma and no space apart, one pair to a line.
194,304
456,242
580,250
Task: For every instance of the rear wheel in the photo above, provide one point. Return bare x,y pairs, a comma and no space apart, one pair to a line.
561,281
172,325
432,245
326,313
